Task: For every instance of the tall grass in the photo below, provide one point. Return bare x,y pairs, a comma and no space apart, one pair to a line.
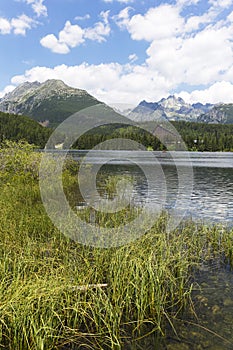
149,282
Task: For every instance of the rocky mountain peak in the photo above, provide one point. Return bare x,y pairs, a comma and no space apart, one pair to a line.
52,100
172,108
21,90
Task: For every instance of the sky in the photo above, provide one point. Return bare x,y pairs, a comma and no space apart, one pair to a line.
121,51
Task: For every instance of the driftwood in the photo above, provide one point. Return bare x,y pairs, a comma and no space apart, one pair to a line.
89,286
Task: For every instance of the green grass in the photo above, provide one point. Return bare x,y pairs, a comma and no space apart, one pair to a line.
149,282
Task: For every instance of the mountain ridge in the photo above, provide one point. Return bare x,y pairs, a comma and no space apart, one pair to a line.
52,100
171,108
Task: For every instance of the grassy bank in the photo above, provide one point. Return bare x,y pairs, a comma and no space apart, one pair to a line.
44,301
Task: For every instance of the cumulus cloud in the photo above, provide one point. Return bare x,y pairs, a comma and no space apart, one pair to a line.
21,24
216,93
117,84
195,50
111,83
184,49
221,3
158,23
123,18
38,7
100,29
5,26
73,35
18,25
7,89
52,43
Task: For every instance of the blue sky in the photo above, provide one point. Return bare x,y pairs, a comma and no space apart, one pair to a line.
121,51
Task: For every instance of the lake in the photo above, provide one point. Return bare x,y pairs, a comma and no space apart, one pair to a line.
208,196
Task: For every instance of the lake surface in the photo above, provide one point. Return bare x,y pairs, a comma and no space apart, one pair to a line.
201,182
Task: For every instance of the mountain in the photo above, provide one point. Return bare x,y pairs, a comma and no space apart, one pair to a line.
52,100
222,113
171,108
17,127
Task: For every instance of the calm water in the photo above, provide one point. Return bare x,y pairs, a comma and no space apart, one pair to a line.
208,196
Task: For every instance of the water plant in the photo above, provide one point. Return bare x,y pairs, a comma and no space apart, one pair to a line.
58,294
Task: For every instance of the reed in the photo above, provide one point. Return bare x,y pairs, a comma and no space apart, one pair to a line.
45,301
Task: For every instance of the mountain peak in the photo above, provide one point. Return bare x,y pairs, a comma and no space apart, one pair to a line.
21,89
54,83
51,100
173,108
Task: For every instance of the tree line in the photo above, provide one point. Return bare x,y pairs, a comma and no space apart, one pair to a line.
197,136
18,127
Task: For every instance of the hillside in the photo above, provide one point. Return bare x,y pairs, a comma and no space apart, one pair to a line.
17,127
53,101
222,113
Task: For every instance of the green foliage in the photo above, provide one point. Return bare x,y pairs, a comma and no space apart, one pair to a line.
206,137
197,136
17,127
17,159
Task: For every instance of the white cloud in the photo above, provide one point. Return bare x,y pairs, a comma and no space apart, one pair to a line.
221,3
5,26
190,49
122,84
122,19
230,17
100,29
73,35
194,60
38,7
21,24
184,49
111,83
52,43
193,23
82,18
158,23
7,89
218,92
18,25
184,3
